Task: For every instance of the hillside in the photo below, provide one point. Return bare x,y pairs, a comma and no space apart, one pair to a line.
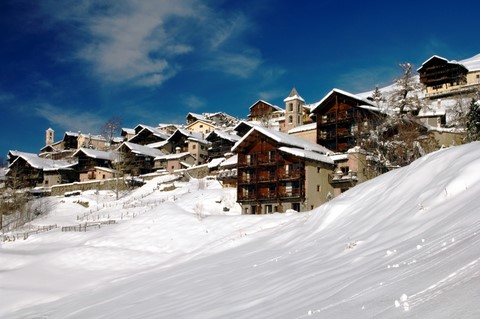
403,245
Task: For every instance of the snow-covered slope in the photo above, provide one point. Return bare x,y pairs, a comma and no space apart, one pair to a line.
404,245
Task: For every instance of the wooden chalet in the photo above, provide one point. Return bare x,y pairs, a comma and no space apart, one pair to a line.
90,159
277,172
137,159
262,111
441,76
148,135
342,118
221,142
27,170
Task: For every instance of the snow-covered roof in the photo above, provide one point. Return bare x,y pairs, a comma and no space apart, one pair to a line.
42,163
278,108
229,136
339,157
215,162
110,156
190,135
306,154
143,150
106,169
157,144
231,161
172,156
303,128
285,139
368,104
293,96
129,131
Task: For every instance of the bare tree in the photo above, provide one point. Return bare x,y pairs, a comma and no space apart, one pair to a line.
111,128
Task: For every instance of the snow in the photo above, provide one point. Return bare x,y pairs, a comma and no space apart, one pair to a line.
143,150
403,245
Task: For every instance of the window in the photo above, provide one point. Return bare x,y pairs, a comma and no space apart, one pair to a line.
245,210
299,109
268,209
103,176
194,146
318,188
201,125
290,107
318,170
290,119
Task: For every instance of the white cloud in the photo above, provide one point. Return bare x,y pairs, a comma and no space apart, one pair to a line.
69,119
139,42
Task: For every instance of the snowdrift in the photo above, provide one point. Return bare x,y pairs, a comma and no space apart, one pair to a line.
404,245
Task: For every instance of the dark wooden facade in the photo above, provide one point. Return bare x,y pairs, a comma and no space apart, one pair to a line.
261,110
438,72
342,119
266,175
221,143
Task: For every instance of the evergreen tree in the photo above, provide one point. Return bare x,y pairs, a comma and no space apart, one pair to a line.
473,121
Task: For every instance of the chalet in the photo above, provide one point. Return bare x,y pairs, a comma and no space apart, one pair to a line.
440,76
137,159
277,172
193,117
174,162
147,135
89,160
262,111
342,118
221,142
28,170
201,126
191,142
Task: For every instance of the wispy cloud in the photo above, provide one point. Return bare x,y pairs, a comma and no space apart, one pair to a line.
139,42
360,80
70,119
192,102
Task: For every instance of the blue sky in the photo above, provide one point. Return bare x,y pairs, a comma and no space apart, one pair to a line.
73,64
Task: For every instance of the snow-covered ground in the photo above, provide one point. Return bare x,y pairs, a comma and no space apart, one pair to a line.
404,245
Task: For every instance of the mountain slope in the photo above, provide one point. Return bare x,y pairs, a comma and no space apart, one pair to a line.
404,245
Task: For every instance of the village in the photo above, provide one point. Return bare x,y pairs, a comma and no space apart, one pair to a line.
295,157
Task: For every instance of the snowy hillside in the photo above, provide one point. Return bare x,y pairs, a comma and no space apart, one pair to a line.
404,245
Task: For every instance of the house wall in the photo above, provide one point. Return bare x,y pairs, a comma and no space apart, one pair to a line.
199,151
310,136
86,141
201,127
448,138
316,185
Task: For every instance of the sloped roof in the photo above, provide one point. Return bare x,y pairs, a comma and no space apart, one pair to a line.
110,156
277,108
303,128
294,96
141,149
314,156
367,104
285,140
42,163
173,156
232,137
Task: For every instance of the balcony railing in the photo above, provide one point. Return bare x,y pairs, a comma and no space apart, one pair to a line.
296,174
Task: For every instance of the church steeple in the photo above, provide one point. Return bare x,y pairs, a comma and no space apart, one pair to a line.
293,110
